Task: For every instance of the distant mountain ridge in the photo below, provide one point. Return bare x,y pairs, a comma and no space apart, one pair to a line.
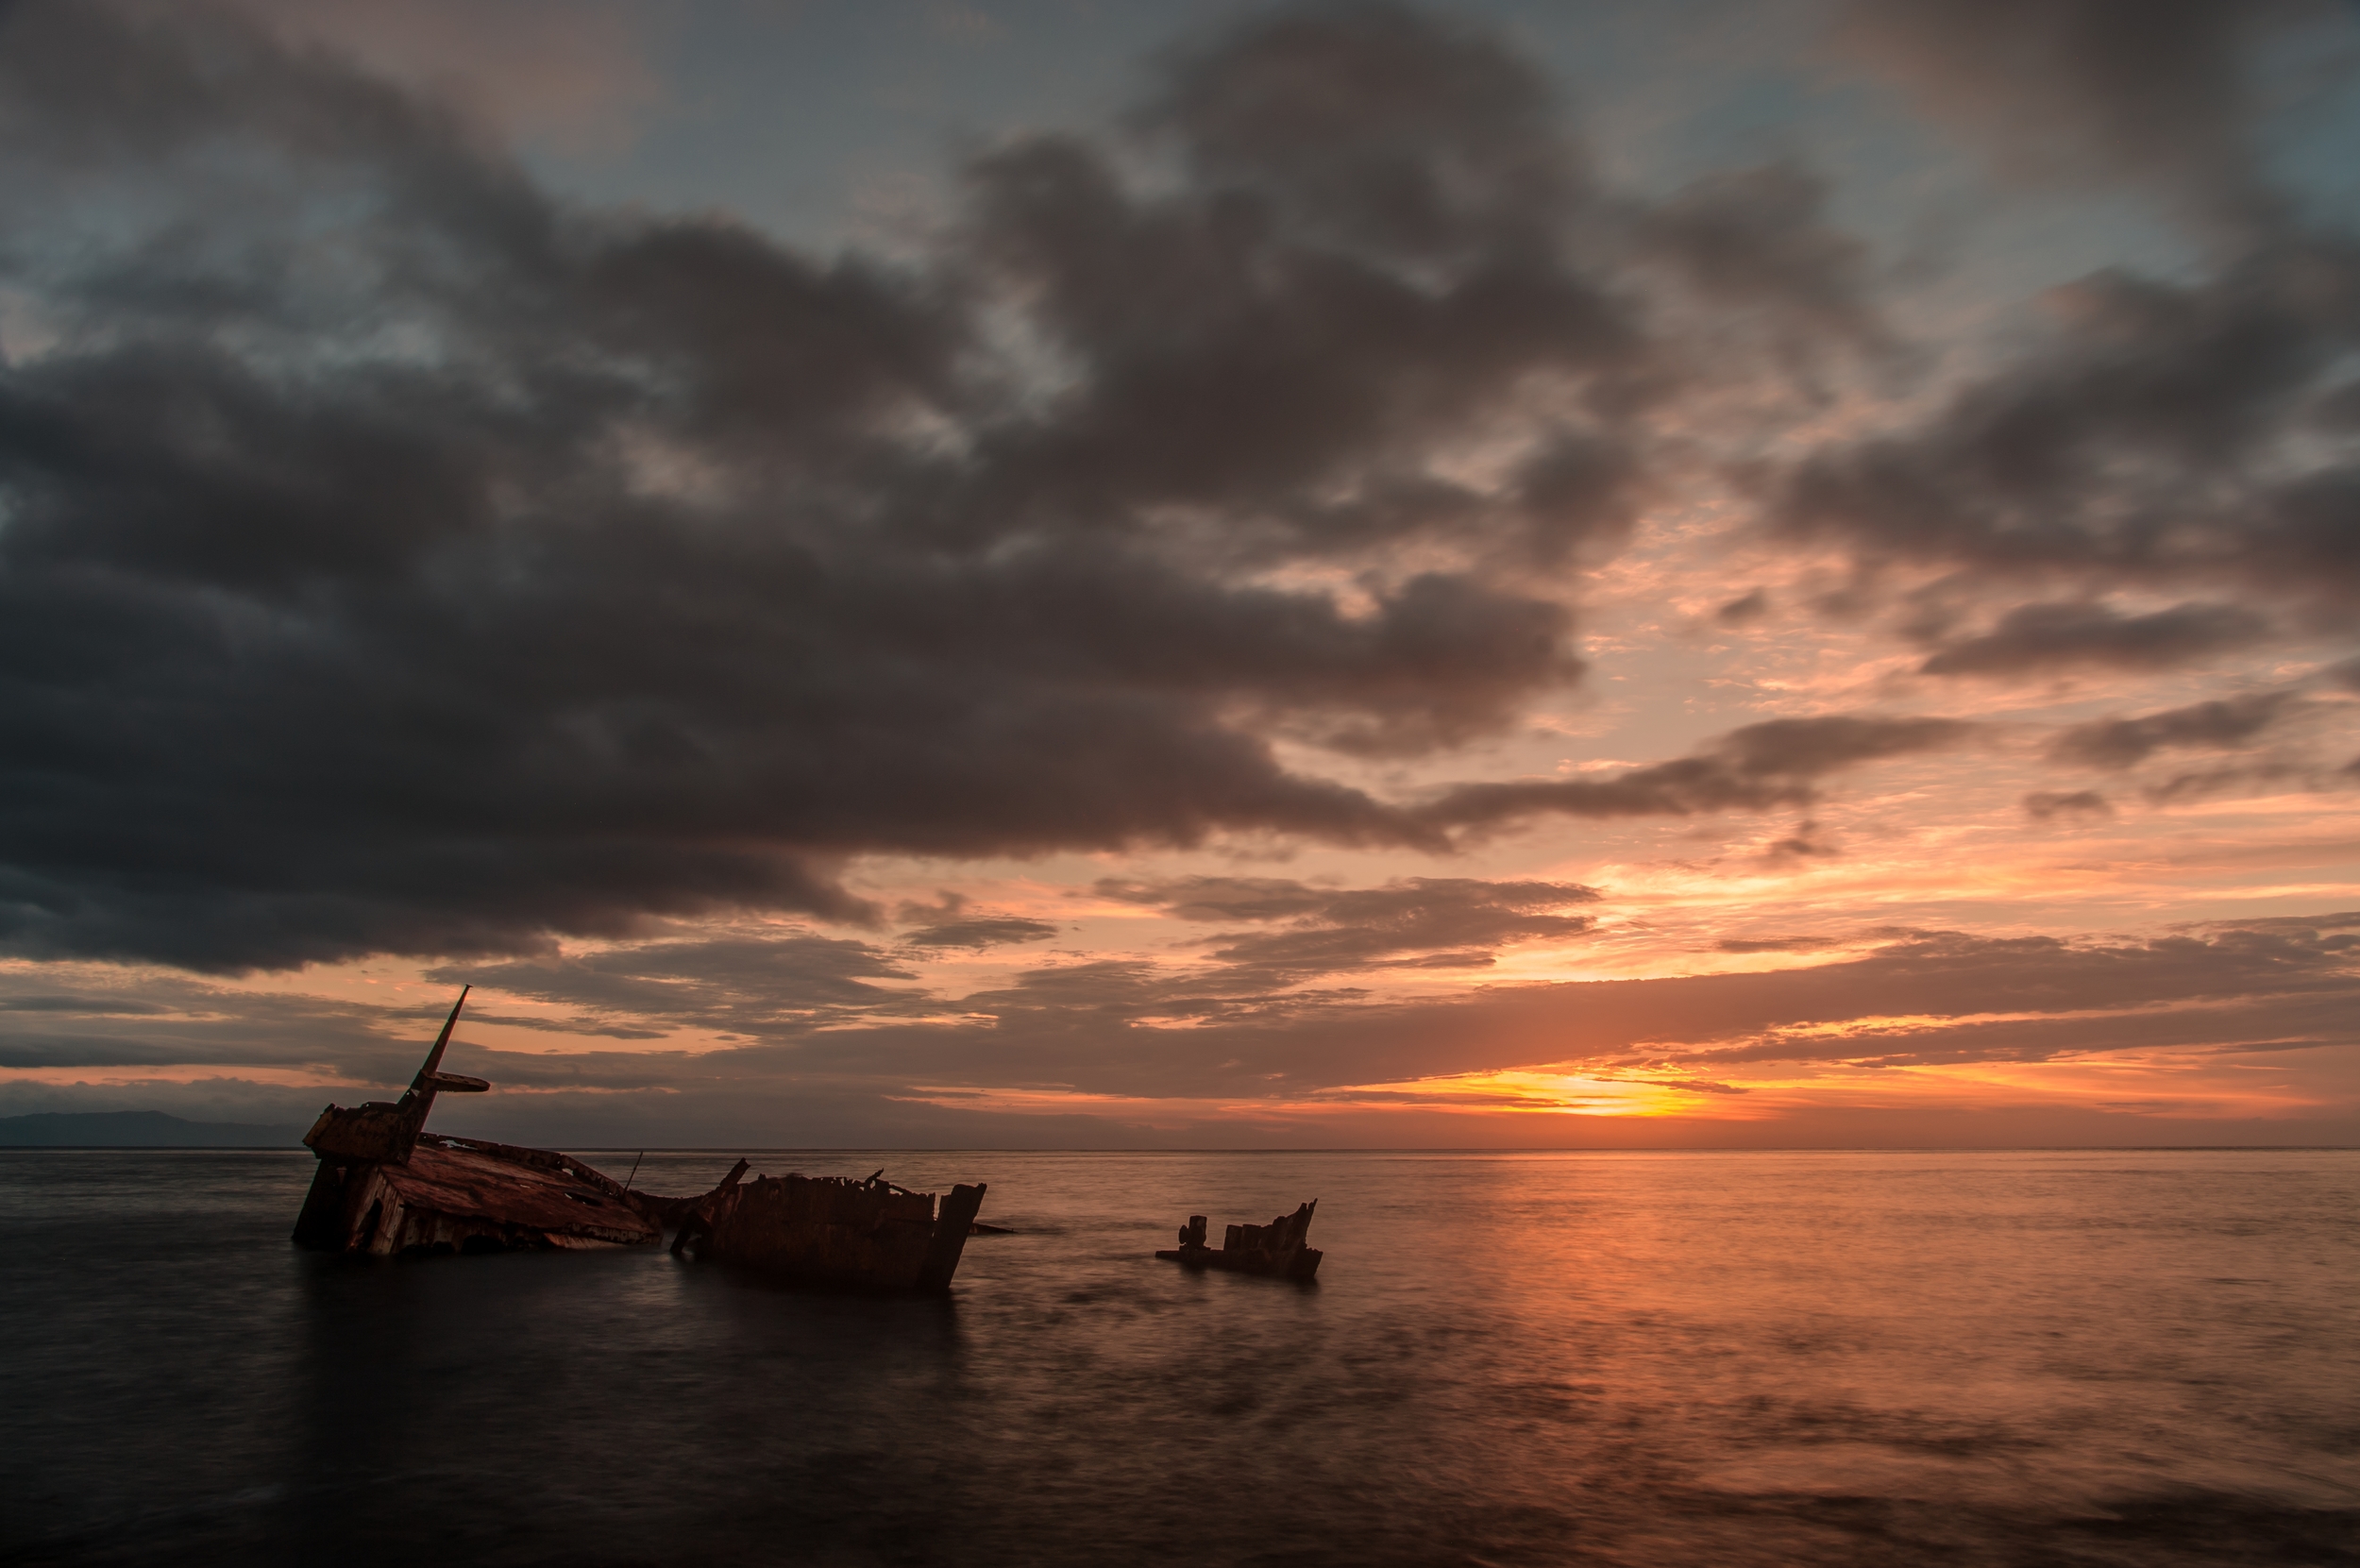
137,1130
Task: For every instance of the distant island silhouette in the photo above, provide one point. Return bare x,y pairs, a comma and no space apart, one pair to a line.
137,1130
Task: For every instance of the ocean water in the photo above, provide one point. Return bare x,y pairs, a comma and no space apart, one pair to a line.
1680,1359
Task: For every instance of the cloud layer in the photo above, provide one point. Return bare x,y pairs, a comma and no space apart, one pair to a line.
1879,1021
1276,499
399,558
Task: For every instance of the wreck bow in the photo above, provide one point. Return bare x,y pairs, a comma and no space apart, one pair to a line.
385,1185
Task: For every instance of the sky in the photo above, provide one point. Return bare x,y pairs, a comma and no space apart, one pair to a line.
1091,574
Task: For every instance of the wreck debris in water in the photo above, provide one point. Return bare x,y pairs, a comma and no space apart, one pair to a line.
385,1185
1279,1250
832,1230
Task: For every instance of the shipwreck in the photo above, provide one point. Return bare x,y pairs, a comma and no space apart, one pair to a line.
1279,1250
384,1186
832,1230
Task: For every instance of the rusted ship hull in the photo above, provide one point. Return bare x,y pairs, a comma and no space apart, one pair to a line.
830,1230
456,1195
385,1185
1279,1250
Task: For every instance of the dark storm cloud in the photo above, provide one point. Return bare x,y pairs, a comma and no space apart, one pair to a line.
2225,725
395,558
424,667
2040,638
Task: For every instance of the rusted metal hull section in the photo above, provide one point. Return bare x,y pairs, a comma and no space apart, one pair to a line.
1279,1250
456,1195
830,1230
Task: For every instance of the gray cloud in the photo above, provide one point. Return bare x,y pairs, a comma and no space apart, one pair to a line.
2162,435
1422,922
1774,764
982,931
952,922
2159,92
97,1017
2154,441
1222,898
2118,743
2040,638
81,1004
2045,805
1806,843
784,987
1747,607
2215,781
1773,944
88,1051
1760,238
765,984
1392,130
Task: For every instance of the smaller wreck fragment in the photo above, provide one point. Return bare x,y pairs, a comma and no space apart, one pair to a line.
386,1186
1279,1250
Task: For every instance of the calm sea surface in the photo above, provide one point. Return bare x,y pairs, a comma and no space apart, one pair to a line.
1682,1358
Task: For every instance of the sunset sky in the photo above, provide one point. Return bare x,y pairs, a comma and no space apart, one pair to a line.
1138,573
